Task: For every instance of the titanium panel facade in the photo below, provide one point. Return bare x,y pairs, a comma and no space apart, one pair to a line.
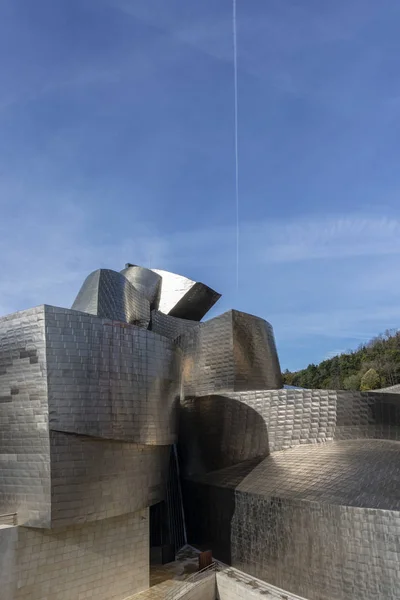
109,294
216,432
105,560
146,281
170,327
223,429
297,487
318,550
24,430
181,297
321,521
68,371
110,379
234,351
93,479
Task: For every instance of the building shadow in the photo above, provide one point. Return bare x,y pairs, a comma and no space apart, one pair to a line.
221,440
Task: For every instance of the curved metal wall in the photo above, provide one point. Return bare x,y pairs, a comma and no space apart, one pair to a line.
108,294
234,351
145,281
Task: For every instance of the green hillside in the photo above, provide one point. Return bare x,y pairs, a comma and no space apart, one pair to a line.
373,365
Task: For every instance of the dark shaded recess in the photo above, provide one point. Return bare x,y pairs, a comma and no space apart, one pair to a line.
161,548
216,432
209,511
371,409
175,512
210,508
386,412
167,528
196,303
27,353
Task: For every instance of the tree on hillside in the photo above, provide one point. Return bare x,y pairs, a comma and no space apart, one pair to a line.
370,380
352,382
346,371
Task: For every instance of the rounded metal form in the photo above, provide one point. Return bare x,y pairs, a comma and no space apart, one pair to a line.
108,294
145,281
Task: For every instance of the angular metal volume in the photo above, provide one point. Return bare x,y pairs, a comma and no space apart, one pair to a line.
170,327
145,281
184,298
90,413
107,293
234,351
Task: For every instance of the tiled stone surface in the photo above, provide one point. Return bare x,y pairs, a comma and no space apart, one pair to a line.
106,293
106,560
24,435
234,351
94,479
111,380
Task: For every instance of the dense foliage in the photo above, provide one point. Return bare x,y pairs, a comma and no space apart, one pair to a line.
373,365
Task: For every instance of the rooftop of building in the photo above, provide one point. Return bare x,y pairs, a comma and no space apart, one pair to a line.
359,473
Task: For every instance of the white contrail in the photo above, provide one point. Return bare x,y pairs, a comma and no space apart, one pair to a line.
236,138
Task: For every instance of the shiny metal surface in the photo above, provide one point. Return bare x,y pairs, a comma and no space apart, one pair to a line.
323,521
181,297
310,503
145,281
224,429
109,294
170,327
104,560
111,380
216,432
297,487
234,351
359,473
63,370
24,429
93,479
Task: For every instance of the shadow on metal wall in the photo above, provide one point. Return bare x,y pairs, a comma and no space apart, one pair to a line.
216,432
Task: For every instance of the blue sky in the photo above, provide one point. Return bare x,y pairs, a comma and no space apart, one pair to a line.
117,145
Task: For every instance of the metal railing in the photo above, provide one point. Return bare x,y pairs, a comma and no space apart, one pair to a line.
192,580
